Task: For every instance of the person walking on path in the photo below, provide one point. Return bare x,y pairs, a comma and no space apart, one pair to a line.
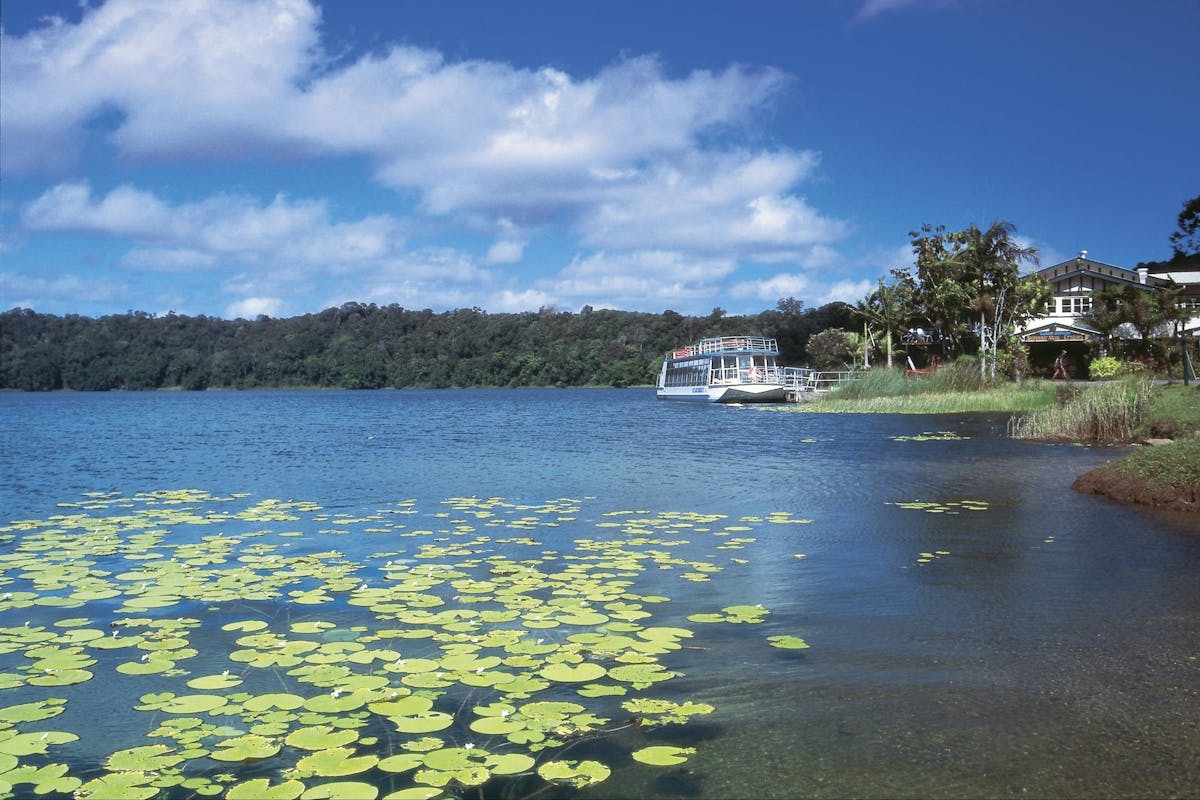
1060,367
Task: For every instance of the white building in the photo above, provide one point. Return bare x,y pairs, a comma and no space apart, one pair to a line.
1077,281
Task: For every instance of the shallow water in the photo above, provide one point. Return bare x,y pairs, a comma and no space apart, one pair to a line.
1050,650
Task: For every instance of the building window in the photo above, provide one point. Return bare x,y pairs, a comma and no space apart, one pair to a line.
1076,305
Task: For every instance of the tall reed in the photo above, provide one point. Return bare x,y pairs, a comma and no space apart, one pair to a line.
1101,414
956,376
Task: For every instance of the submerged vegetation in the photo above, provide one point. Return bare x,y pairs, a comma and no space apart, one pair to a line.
240,653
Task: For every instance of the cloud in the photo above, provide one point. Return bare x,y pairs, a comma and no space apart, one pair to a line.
773,288
68,290
125,211
648,280
648,173
252,307
167,259
714,202
872,9
846,292
214,79
509,249
190,76
227,228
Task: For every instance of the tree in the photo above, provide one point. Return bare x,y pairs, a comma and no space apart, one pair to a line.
886,310
1106,314
969,282
1186,241
991,262
830,349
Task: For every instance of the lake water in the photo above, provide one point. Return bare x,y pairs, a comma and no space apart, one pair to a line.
1009,637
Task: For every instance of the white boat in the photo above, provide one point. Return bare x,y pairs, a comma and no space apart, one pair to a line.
724,369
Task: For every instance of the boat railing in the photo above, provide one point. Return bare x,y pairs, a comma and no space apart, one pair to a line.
803,379
731,375
727,343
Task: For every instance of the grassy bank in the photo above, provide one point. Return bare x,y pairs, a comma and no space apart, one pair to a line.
1000,399
1165,476
953,390
1104,414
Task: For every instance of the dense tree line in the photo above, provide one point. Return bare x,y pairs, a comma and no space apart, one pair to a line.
366,346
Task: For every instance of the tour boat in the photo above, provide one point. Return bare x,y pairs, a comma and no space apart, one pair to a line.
724,369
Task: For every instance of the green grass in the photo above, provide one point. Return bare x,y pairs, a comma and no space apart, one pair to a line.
1106,414
999,399
1174,412
1175,465
955,389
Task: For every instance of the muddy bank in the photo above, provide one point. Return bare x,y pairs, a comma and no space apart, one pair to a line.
1108,481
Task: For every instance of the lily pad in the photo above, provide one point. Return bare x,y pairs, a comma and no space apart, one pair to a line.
565,673
341,790
663,755
261,789
245,748
574,773
336,762
320,737
787,642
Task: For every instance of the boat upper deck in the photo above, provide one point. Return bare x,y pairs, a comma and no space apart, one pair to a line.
728,344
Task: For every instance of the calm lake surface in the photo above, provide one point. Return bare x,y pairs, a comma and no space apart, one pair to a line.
1046,645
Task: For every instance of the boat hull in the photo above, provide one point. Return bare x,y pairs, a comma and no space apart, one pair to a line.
731,393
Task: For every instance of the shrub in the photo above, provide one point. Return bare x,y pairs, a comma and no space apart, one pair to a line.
1104,368
829,349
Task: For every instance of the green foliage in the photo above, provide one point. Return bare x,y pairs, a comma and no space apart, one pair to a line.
968,284
1104,368
830,349
360,346
1174,413
1175,465
877,382
1005,398
1101,414
1186,240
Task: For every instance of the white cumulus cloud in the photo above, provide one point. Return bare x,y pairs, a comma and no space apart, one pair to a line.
647,173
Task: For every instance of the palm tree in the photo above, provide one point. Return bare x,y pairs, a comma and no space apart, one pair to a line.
991,263
886,310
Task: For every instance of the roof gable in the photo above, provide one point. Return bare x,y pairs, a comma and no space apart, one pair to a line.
1089,266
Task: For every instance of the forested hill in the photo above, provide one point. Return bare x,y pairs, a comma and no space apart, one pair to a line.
366,346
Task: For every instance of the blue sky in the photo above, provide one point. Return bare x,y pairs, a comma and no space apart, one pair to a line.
282,156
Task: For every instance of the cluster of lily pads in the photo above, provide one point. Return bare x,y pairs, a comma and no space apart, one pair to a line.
929,556
258,662
943,507
932,436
